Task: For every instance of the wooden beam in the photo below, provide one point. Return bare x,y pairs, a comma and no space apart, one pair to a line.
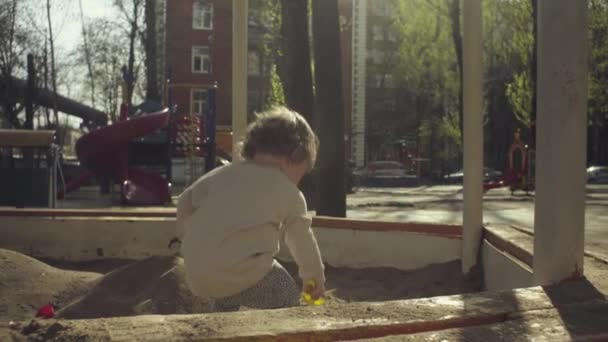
26,138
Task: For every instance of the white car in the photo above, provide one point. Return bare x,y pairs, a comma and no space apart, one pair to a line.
597,174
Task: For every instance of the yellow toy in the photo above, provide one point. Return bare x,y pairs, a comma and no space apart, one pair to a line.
307,298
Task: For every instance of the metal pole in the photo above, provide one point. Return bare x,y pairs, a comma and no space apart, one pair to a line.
210,127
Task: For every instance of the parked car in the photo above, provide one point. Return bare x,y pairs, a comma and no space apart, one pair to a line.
384,173
489,175
597,174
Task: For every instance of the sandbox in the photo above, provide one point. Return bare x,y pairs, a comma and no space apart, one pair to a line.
114,265
365,261
112,276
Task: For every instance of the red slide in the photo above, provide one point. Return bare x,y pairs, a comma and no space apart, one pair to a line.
104,152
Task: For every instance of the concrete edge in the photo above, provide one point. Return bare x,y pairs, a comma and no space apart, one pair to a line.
587,253
508,246
442,230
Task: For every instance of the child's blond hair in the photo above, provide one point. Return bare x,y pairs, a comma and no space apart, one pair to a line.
281,132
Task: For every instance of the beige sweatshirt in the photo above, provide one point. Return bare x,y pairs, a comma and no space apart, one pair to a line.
232,219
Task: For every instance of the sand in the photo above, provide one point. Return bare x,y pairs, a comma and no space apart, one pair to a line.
26,284
156,286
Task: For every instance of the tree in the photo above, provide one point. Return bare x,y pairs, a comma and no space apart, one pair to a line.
295,62
533,64
13,43
294,70
457,38
132,14
106,46
508,42
149,38
87,54
265,23
328,84
51,40
598,78
427,76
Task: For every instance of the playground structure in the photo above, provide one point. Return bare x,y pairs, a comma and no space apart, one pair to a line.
147,139
520,170
32,179
104,152
128,152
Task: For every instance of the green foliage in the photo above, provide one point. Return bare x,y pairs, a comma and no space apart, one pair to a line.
426,73
426,58
519,93
508,43
449,130
266,14
276,96
598,72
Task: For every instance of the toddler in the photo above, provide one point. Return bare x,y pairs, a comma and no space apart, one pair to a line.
233,217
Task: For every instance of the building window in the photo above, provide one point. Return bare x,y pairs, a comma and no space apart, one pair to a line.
377,32
202,15
253,63
198,101
389,81
201,60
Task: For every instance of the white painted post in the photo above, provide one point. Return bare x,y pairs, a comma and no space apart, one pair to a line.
473,135
239,72
359,73
559,215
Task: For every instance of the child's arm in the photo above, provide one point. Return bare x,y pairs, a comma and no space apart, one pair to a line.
303,246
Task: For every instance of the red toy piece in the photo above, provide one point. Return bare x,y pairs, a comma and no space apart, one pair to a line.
47,311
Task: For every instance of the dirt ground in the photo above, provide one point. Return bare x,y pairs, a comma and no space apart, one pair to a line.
156,286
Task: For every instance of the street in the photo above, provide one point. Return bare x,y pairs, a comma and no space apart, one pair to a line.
443,204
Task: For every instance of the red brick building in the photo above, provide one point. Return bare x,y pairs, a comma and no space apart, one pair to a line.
198,43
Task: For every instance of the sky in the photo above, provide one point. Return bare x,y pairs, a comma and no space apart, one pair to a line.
67,29
67,18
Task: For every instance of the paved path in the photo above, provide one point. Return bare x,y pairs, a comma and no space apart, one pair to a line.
443,204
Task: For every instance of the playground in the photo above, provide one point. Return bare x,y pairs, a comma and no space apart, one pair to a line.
521,258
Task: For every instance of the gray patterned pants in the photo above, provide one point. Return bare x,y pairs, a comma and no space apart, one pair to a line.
276,290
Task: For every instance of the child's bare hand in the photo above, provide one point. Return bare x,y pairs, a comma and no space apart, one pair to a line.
314,289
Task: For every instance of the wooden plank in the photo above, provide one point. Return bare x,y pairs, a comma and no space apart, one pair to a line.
26,138
586,322
511,241
330,322
445,230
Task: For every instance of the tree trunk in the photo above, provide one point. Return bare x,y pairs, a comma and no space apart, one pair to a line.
9,107
328,82
30,93
533,62
53,70
87,55
152,92
457,38
130,72
45,75
294,69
